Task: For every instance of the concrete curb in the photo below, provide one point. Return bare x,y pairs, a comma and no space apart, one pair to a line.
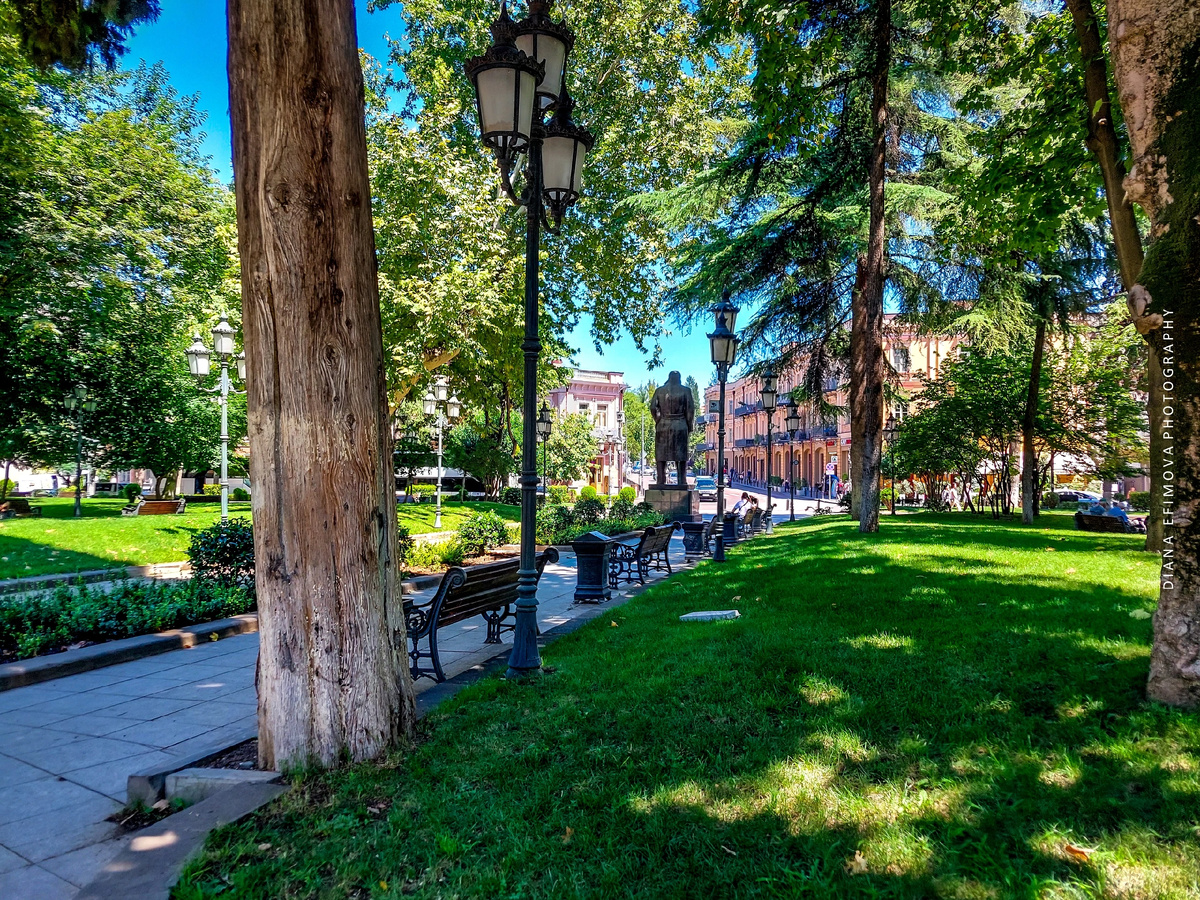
91,576
148,786
72,662
154,859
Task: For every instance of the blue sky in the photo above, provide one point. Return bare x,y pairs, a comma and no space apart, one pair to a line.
190,39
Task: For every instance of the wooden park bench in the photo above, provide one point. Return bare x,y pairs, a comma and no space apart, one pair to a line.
489,590
762,517
17,506
155,508
633,559
1085,522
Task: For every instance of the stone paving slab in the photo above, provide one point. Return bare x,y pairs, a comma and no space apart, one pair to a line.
68,746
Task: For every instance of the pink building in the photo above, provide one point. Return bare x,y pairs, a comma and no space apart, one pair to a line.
601,397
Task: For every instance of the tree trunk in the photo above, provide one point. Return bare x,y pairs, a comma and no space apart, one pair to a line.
4,486
1156,59
1103,143
857,413
1029,461
868,351
334,678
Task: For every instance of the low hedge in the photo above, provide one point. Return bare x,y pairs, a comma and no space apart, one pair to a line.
35,625
557,524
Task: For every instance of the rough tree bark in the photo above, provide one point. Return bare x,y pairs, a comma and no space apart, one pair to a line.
866,343
333,679
856,385
1029,461
1103,143
1156,59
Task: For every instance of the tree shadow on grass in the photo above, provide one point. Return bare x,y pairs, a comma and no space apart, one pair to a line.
957,749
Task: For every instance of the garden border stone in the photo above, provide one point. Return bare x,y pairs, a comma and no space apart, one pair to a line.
110,653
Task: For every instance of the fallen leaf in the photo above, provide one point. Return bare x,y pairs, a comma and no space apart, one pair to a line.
161,805
214,637
1070,571
1139,614
613,624
738,597
383,885
568,834
263,847
1079,854
1050,550
856,864
727,850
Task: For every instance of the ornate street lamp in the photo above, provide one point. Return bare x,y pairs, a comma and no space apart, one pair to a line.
792,424
723,343
435,402
200,365
79,402
517,82
770,395
544,426
889,437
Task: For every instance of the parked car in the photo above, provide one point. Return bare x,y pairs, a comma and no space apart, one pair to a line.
706,487
1077,497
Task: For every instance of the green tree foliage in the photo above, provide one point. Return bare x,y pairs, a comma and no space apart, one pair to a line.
571,448
483,448
639,424
114,241
74,33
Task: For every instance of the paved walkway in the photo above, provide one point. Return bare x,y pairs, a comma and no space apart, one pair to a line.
68,746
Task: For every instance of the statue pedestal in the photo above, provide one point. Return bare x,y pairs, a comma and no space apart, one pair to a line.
675,503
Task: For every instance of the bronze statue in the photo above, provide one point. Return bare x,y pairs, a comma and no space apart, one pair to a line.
674,410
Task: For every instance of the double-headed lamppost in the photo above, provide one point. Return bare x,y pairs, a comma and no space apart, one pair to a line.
544,426
770,395
79,401
519,85
723,344
199,363
435,402
792,424
889,437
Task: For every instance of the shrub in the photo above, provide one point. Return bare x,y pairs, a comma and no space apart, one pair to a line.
554,522
481,532
1140,500
436,555
132,492
627,493
223,554
587,492
210,490
588,510
32,625
510,496
7,486
241,494
1050,500
404,543
643,508
622,508
560,493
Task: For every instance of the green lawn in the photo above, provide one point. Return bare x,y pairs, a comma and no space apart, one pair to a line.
104,538
957,702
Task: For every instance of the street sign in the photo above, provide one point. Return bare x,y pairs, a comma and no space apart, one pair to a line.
833,457
830,468
714,406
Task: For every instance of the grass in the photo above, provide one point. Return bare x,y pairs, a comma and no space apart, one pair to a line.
103,538
945,709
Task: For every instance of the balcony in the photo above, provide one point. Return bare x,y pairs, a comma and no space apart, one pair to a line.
747,409
830,431
704,448
755,441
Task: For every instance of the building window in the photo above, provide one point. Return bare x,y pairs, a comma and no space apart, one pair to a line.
585,408
602,414
900,360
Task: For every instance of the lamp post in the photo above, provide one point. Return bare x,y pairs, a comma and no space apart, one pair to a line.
544,426
722,344
199,364
889,437
79,402
770,396
435,402
518,82
792,423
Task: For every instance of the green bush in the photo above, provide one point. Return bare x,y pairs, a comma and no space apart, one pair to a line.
32,625
434,555
1140,500
210,490
588,510
622,508
1050,500
132,492
510,496
644,508
404,543
223,554
481,532
7,486
553,523
627,493
241,494
587,492
559,525
560,493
